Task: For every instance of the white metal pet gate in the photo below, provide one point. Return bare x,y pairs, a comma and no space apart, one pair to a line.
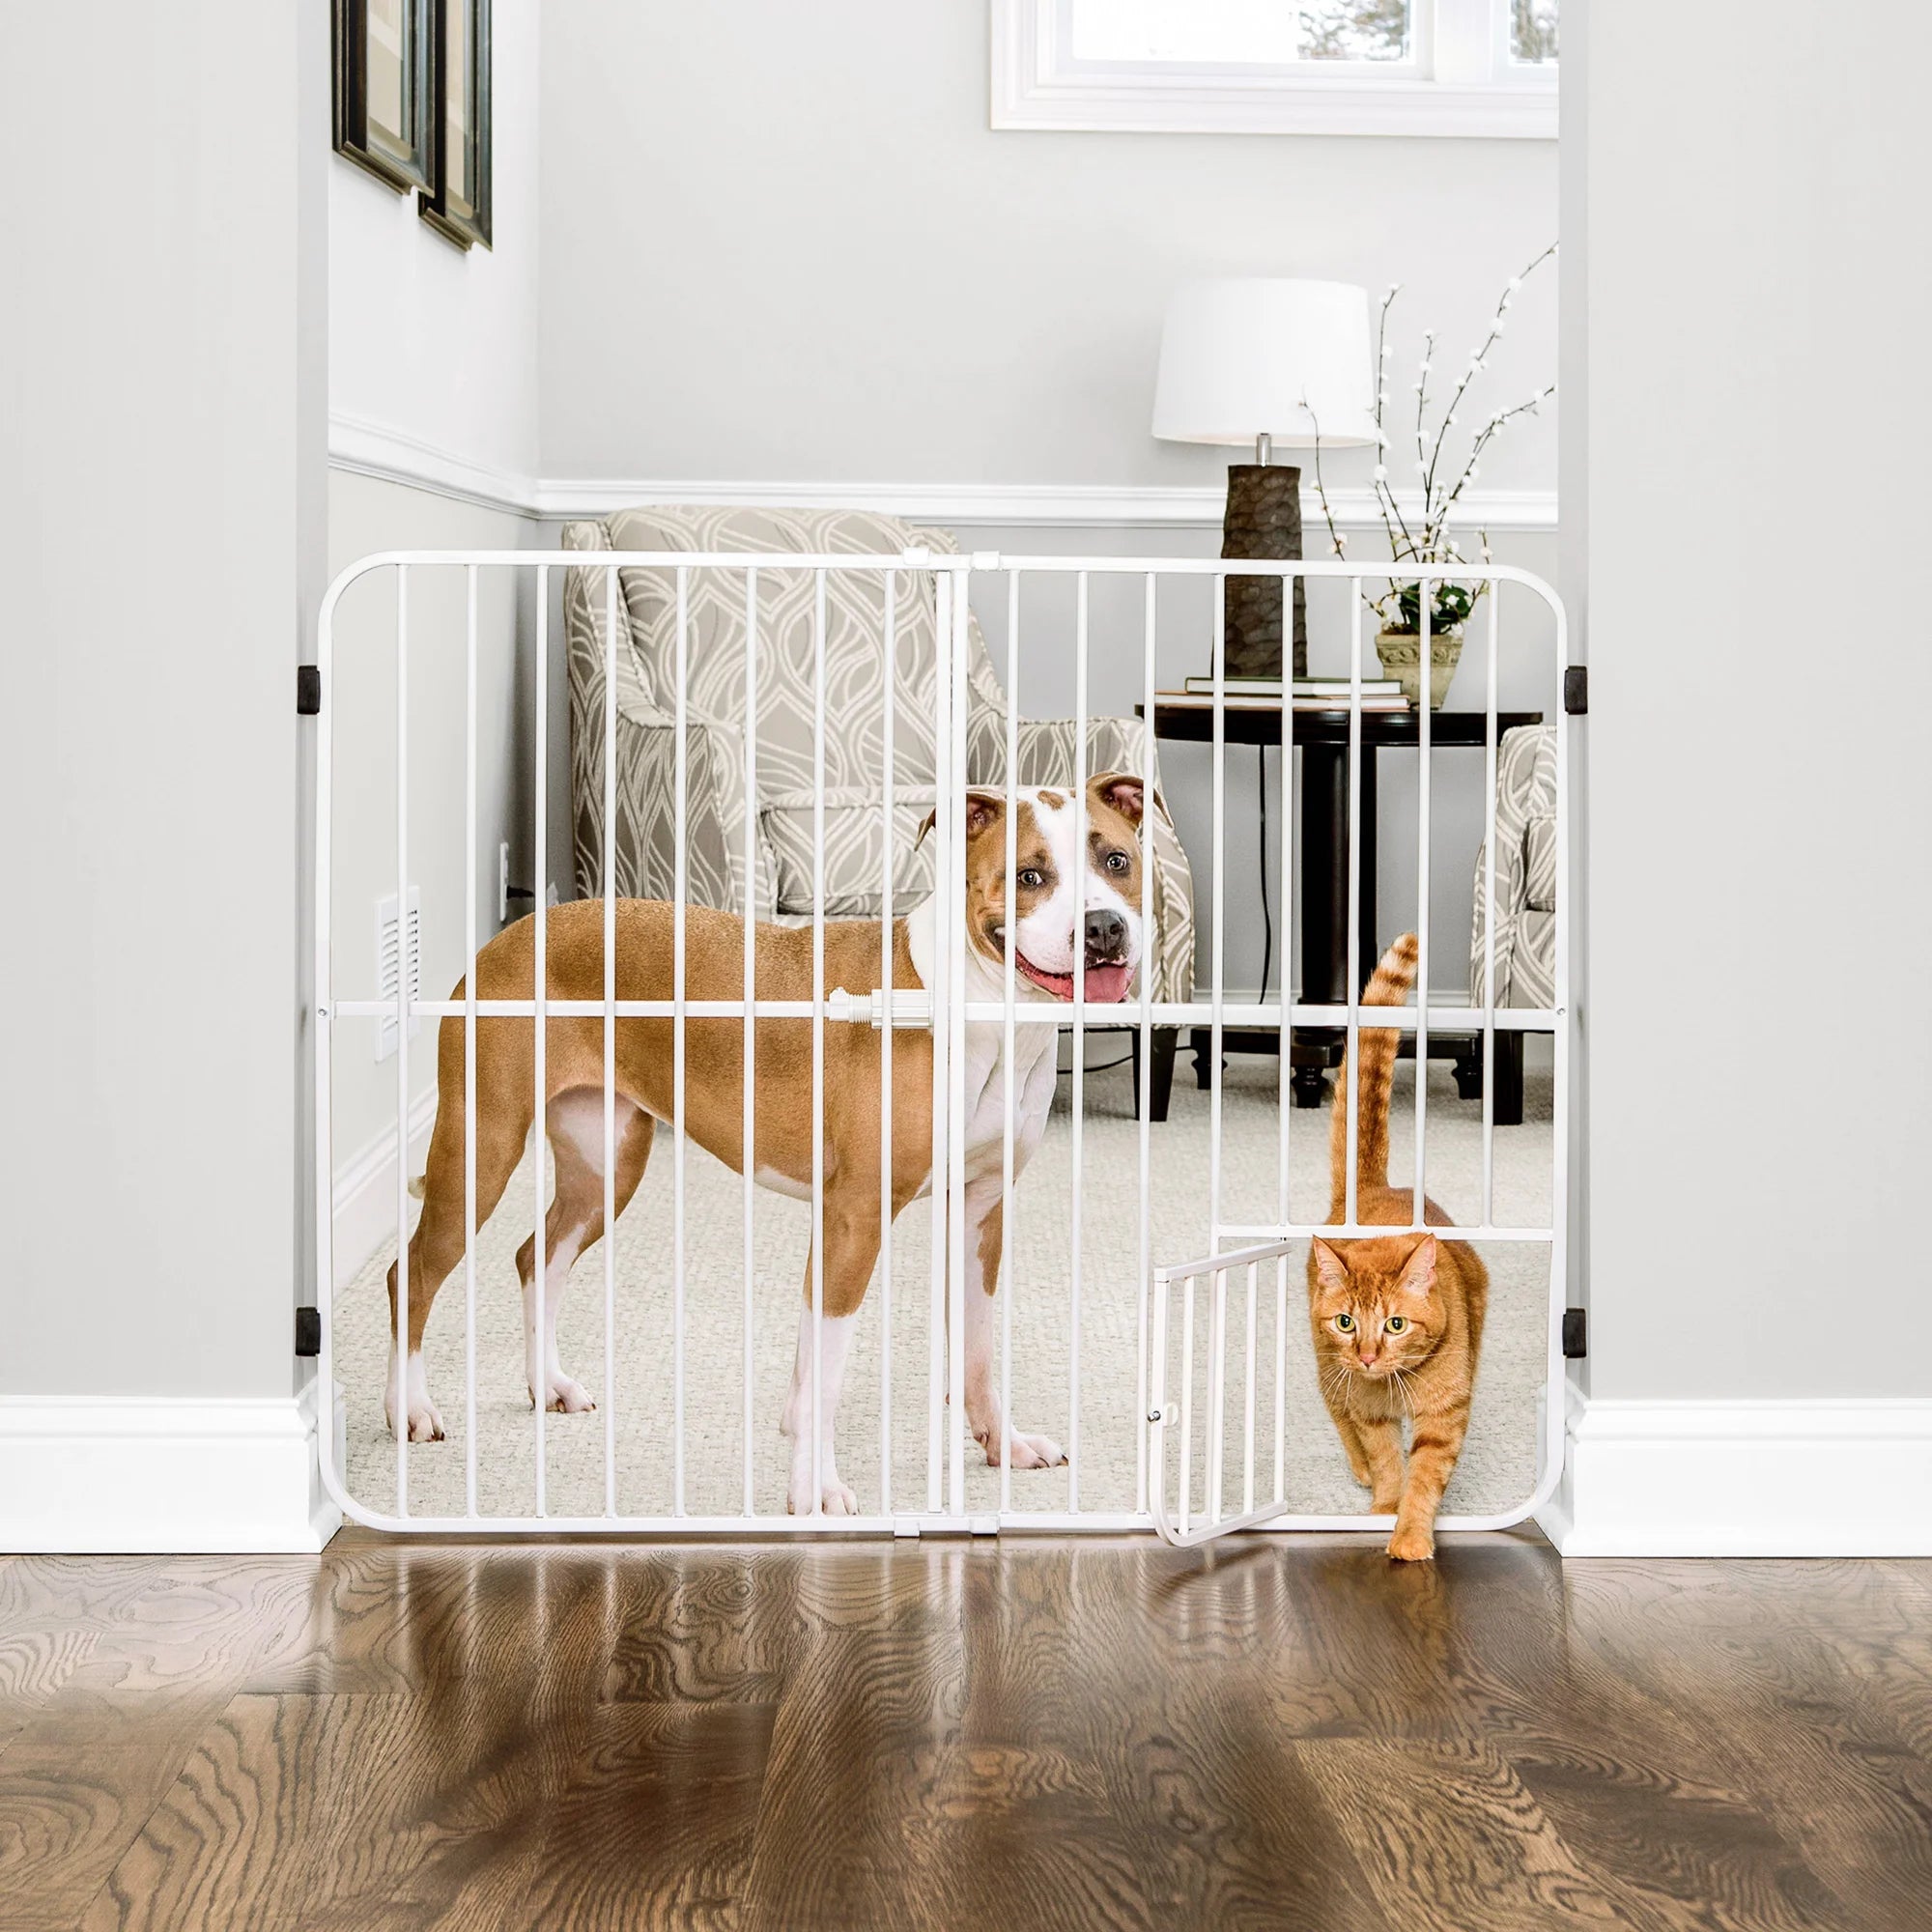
1181,1390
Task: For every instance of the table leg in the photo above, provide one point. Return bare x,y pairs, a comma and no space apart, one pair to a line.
1324,892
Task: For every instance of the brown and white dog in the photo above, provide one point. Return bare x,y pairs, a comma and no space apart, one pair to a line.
1068,902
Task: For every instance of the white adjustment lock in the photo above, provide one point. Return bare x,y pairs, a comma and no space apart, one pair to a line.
904,1007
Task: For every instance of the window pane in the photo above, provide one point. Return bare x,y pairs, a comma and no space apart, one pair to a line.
1533,31
1355,30
1231,32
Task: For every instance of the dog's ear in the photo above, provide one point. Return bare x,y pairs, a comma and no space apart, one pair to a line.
1124,791
982,808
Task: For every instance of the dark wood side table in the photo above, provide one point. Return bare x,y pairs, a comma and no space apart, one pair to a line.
1323,739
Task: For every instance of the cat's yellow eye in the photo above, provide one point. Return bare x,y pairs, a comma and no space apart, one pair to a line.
1344,1323
1396,1323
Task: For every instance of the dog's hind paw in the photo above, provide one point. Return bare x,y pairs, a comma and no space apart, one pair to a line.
1033,1452
835,1499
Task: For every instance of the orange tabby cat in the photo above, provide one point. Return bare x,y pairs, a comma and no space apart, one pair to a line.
1398,1318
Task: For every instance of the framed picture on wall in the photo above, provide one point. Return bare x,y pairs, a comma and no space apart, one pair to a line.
384,119
456,201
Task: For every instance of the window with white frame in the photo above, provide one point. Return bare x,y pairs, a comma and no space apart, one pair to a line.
1320,67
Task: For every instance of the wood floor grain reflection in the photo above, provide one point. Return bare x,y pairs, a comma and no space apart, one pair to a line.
1021,1735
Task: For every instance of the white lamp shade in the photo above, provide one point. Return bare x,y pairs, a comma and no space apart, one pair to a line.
1243,356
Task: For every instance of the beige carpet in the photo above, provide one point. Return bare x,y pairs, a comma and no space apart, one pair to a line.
1498,1462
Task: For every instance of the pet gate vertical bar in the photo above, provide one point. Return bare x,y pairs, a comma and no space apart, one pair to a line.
1157,1395
681,892
942,959
469,1042
955,1050
1490,752
1078,1095
321,986
888,851
818,1043
536,1355
1285,953
400,1314
1352,1096
1559,1122
1218,994
1248,1392
1422,729
1217,1387
1145,1094
1010,947
610,1041
1186,1399
1219,938
748,1130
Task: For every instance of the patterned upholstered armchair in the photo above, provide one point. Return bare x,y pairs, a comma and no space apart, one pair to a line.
780,887
1525,944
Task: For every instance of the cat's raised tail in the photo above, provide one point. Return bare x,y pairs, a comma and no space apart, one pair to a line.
1388,985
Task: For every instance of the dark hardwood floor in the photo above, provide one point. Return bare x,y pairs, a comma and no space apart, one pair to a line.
1008,1737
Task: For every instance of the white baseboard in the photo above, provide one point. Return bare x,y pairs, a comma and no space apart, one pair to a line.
1800,1478
136,1474
365,1191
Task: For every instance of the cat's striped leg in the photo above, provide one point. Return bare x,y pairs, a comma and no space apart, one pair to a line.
1382,1445
1433,1451
1335,1395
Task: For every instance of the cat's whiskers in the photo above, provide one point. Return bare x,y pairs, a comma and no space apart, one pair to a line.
1402,1389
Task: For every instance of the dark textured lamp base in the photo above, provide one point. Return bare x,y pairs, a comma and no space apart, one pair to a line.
1263,520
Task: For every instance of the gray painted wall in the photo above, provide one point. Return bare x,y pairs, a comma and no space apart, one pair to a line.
1760,790
160,502
780,241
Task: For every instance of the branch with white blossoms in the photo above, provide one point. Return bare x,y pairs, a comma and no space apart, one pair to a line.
1451,603
1490,429
1478,361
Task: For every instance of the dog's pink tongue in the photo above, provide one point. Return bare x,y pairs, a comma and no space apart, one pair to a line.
1108,982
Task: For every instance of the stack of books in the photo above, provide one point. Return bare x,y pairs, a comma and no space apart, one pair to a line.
1306,693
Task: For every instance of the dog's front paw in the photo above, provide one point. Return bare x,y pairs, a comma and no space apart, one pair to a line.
425,1420
1412,1544
567,1398
425,1423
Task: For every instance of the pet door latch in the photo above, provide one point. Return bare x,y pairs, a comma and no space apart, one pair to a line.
308,1331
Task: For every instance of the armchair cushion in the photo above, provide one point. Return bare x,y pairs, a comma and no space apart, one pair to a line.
853,855
781,763
1525,939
